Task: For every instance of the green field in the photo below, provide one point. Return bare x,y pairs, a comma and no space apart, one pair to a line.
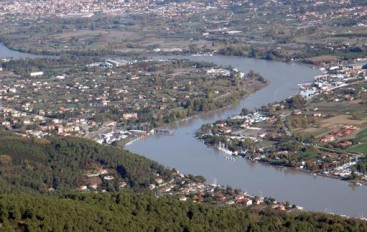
337,107
362,139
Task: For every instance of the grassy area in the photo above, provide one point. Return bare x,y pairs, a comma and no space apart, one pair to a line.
362,135
360,148
362,139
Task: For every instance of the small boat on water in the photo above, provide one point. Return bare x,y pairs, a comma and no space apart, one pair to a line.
224,149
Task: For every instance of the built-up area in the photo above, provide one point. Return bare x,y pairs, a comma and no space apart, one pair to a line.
72,8
116,99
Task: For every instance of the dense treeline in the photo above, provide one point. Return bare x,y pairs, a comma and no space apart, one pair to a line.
50,66
61,162
131,212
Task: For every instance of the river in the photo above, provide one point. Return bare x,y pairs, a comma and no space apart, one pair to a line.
185,153
8,53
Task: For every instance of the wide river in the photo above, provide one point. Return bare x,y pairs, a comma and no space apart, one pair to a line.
183,152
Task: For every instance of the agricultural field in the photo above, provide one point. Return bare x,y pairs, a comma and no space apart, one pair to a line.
335,110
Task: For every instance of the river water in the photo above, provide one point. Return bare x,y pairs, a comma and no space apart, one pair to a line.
183,152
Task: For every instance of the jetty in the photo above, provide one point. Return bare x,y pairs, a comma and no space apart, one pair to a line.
164,131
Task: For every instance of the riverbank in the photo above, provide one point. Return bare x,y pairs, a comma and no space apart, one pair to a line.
259,157
128,142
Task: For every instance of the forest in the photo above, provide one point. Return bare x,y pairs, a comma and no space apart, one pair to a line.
126,211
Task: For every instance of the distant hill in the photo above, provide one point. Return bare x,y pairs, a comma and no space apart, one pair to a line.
62,164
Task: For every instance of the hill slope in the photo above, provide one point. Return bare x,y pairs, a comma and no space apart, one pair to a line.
62,163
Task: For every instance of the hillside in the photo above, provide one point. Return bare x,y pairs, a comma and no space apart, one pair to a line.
62,164
38,179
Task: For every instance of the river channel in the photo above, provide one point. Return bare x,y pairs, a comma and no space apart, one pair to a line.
185,153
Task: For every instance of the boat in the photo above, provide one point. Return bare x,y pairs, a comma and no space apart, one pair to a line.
224,149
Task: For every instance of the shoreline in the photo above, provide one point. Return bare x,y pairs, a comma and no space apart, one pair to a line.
308,172
354,182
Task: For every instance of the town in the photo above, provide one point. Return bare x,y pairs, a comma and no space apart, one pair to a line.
278,30
72,8
114,100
